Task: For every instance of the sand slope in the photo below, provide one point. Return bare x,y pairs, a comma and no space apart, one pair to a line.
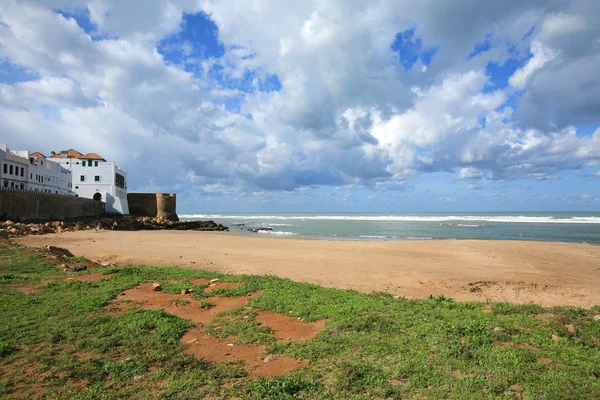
550,274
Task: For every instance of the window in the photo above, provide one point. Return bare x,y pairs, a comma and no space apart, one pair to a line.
41,162
6,168
82,163
97,178
95,163
12,185
22,171
82,178
5,183
31,176
120,180
22,186
11,170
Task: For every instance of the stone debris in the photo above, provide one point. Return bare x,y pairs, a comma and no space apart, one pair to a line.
11,229
269,358
156,287
597,317
498,329
185,291
214,280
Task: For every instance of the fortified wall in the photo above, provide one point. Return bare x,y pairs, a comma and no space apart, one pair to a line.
156,205
24,206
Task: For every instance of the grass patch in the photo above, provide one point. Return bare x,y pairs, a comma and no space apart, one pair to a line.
205,304
60,342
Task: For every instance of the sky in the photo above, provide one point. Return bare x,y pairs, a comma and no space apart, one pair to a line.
314,106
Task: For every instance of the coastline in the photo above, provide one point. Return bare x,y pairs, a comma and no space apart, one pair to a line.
546,273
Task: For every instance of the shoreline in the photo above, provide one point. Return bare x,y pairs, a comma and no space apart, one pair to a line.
299,236
546,273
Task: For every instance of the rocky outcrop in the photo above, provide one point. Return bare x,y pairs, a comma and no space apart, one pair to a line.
10,229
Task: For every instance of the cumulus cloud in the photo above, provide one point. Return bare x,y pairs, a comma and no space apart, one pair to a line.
347,110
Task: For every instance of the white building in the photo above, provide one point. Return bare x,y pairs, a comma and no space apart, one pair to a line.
21,170
95,178
14,170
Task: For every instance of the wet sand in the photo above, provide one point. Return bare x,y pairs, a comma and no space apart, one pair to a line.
550,274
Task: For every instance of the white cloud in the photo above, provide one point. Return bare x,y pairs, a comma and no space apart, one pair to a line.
347,114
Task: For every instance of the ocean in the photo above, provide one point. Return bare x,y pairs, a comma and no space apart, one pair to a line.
555,227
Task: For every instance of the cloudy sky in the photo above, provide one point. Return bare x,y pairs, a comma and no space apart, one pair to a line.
329,105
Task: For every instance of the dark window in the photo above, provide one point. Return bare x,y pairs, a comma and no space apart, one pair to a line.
82,178
89,163
12,185
31,176
95,163
82,163
120,180
97,178
11,170
5,183
22,186
6,168
22,171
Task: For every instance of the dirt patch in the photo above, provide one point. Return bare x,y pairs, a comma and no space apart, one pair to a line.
545,360
256,362
526,346
289,328
181,305
93,277
215,285
199,344
20,287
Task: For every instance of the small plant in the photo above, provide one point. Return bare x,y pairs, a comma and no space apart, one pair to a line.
180,302
207,305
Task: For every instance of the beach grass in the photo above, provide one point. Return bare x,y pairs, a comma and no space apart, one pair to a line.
59,340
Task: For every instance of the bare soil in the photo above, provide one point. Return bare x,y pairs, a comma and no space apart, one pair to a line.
253,359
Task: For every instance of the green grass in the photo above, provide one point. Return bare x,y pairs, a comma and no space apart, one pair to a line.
60,342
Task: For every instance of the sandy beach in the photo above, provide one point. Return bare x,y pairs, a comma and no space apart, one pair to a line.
550,274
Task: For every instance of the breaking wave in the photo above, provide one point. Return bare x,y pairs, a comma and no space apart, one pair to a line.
409,218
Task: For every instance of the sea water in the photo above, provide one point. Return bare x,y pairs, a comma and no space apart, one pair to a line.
557,227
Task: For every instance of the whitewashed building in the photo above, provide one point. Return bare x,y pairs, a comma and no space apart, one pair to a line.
95,178
22,170
14,170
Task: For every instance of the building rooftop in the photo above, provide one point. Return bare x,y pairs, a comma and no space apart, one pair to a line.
72,153
37,154
92,156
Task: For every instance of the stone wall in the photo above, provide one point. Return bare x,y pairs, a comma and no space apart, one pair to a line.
32,206
156,205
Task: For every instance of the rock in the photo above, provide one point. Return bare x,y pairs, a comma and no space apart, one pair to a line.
509,393
597,318
156,287
185,291
13,231
269,358
570,329
555,338
4,233
214,280
255,230
230,345
193,341
47,229
498,329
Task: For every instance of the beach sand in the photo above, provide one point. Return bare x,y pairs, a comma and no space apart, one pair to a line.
550,274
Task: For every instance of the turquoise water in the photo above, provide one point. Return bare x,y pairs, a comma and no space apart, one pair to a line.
556,227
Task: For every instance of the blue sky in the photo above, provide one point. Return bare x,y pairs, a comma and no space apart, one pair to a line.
393,105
